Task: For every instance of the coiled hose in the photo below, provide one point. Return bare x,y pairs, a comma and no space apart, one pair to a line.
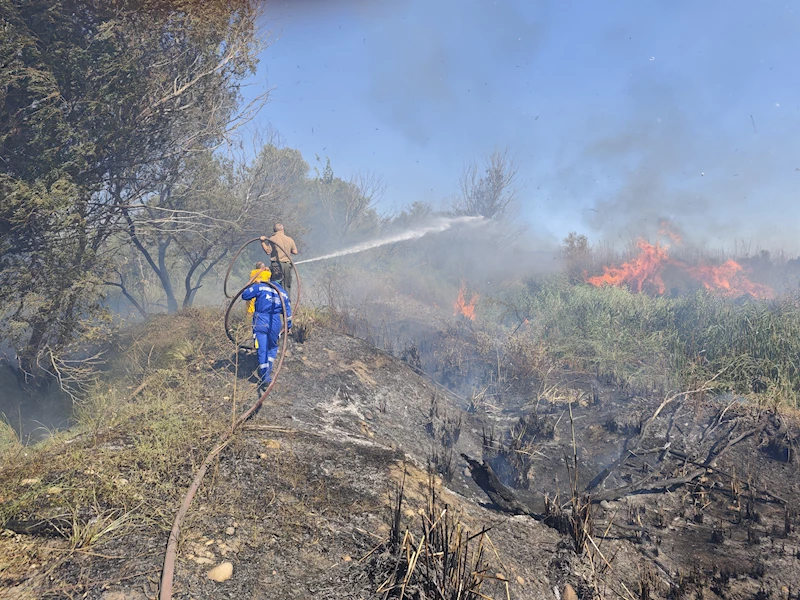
168,572
295,302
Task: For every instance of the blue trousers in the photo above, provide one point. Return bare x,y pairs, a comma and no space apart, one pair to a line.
266,336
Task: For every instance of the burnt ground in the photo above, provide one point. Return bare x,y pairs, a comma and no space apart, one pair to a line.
706,492
698,502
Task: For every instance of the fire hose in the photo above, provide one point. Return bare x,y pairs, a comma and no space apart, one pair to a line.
241,249
296,302
168,571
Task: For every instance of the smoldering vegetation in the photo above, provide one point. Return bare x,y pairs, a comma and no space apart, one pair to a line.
468,307
645,394
637,396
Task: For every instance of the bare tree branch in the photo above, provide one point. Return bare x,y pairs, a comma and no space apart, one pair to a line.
491,192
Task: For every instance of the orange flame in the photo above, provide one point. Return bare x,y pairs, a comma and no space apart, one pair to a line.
644,272
643,269
666,231
729,279
461,306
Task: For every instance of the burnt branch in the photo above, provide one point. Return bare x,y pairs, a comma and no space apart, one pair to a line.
502,496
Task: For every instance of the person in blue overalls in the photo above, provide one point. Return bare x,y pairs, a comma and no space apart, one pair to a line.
267,324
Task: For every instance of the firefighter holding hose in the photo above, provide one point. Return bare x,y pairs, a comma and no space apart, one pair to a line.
267,324
279,256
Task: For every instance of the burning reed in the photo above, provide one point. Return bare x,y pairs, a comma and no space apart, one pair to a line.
646,272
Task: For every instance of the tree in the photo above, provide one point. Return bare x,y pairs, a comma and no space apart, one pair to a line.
97,102
277,180
575,246
417,212
577,255
48,275
193,221
188,224
345,208
489,194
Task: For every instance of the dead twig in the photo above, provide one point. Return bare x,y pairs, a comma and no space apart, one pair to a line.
669,399
276,429
661,484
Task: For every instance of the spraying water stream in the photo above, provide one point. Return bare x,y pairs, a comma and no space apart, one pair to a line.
442,224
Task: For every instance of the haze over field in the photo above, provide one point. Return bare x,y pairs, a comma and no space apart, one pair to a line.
619,115
546,299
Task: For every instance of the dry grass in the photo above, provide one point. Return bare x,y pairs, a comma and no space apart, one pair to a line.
127,454
442,560
84,528
9,440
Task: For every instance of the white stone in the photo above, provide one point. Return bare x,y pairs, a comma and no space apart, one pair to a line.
222,572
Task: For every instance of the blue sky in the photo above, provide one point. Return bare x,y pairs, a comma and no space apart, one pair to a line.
619,113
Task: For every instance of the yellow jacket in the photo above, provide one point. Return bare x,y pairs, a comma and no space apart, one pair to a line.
261,275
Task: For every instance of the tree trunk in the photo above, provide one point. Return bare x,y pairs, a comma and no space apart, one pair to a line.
159,269
191,290
27,356
128,295
163,275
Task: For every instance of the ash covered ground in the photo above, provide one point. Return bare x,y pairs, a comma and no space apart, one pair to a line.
684,496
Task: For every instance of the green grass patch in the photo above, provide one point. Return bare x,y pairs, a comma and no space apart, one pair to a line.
129,457
751,346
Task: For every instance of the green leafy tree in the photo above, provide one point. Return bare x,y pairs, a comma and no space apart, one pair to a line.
417,212
344,208
577,255
277,179
98,100
185,228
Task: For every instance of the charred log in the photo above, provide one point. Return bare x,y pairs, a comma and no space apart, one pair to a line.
653,486
500,495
